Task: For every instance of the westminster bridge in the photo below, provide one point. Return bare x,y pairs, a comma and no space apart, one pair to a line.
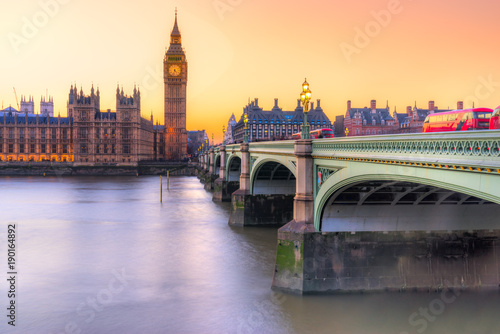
395,212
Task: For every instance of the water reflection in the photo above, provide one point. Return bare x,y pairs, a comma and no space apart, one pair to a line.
187,270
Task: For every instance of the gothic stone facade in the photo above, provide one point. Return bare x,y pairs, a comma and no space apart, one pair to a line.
87,136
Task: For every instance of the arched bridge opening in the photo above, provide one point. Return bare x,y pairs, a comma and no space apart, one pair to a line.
217,164
405,206
274,178
271,199
234,170
226,185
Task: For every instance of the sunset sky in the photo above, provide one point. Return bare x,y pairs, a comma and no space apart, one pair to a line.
400,51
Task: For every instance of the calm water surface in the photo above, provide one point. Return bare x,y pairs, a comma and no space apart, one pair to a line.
103,255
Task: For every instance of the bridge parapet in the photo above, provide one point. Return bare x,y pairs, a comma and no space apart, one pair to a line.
283,147
478,149
233,148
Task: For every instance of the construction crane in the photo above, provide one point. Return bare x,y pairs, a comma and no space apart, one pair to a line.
17,101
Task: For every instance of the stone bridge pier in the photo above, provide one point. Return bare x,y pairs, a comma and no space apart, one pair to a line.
227,183
203,165
296,238
255,204
212,168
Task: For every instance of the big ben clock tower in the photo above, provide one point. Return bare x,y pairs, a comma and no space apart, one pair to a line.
175,79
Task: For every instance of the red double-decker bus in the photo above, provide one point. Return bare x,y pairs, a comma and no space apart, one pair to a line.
458,120
495,119
316,134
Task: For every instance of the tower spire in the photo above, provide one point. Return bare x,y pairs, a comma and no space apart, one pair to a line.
175,39
175,30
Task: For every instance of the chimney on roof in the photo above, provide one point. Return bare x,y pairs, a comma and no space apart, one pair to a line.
312,106
373,104
348,104
408,110
318,103
460,105
256,102
431,106
298,103
276,103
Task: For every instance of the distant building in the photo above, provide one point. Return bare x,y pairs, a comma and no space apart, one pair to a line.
368,121
374,121
196,139
47,106
27,106
229,135
413,120
338,126
9,111
277,124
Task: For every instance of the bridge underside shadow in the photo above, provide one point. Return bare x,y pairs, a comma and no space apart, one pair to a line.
405,206
210,178
394,235
223,189
271,201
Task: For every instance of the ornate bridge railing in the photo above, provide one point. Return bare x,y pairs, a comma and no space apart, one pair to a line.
478,150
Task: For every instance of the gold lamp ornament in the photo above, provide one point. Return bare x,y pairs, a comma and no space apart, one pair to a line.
245,120
305,97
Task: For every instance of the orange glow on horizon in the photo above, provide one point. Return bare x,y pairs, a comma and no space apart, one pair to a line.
388,50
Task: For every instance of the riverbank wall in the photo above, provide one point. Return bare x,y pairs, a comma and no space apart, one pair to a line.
63,170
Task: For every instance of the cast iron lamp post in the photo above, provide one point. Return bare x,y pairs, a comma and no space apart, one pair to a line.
245,137
305,96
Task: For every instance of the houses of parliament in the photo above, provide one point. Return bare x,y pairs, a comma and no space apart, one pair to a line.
91,136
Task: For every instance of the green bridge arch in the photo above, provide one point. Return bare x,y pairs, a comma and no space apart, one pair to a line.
346,173
263,160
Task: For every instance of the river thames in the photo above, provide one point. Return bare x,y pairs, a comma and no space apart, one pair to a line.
103,255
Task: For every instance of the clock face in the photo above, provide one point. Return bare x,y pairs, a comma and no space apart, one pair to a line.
174,70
